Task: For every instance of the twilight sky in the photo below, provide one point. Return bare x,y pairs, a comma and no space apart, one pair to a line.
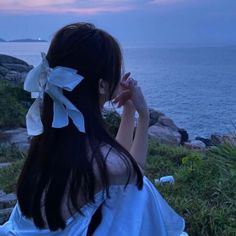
132,22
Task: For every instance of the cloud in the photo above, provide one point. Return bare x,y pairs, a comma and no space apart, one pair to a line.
168,2
82,7
65,6
30,3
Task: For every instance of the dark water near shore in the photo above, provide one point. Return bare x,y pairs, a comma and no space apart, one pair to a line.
196,87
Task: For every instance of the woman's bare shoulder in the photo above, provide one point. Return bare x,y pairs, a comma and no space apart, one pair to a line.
117,165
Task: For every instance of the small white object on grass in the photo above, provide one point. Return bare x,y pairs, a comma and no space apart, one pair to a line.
165,179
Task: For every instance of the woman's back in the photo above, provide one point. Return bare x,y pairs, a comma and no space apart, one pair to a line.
117,175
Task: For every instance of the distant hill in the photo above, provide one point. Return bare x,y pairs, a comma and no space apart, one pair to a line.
24,40
27,40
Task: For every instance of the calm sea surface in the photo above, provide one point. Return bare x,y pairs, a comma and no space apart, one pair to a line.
196,87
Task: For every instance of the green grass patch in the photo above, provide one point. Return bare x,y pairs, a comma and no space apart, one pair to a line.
203,192
9,176
14,103
9,153
204,189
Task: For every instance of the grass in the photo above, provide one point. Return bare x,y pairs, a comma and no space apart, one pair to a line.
9,153
204,188
14,103
9,176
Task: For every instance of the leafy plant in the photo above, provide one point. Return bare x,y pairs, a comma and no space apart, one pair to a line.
9,153
14,103
193,160
9,176
112,119
204,190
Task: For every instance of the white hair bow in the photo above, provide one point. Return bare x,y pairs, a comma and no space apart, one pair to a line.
44,79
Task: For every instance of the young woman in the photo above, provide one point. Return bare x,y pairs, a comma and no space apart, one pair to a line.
78,179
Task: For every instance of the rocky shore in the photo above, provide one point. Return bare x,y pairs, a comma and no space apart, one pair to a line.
162,129
13,69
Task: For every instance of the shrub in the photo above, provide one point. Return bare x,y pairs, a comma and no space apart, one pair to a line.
204,190
9,176
9,153
14,103
112,119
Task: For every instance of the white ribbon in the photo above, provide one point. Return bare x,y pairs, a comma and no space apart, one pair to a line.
44,79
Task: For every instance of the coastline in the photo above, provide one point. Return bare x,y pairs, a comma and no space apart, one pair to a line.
182,117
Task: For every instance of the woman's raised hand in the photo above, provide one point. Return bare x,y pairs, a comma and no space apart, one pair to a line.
131,95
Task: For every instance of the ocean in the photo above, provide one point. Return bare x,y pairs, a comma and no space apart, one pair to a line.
196,87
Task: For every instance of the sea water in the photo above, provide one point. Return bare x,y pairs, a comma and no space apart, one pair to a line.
196,87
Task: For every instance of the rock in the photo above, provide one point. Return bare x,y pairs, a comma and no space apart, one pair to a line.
11,60
3,165
2,193
15,77
17,67
154,116
13,69
15,135
229,139
8,200
3,70
195,144
207,141
18,137
184,136
216,139
163,129
166,121
164,134
4,215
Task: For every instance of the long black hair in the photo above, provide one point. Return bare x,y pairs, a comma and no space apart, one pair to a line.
59,158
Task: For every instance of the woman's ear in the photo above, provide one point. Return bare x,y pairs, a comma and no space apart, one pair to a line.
103,87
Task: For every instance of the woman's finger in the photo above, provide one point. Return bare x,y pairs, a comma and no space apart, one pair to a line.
117,98
123,95
122,98
124,84
129,83
125,79
126,76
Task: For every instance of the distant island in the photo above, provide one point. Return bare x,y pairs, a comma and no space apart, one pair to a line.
23,40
